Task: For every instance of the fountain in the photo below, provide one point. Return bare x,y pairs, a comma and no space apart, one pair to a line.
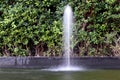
67,38
67,41
67,30
38,68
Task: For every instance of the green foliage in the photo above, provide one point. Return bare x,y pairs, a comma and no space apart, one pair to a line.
24,24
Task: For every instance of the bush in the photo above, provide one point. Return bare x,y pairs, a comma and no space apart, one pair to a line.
34,27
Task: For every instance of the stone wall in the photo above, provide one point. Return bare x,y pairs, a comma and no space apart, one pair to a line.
47,62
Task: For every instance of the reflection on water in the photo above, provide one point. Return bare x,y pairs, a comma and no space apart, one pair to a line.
67,76
37,74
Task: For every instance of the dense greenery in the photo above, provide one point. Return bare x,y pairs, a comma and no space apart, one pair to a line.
34,27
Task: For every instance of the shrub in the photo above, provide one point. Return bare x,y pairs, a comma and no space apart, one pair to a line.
34,27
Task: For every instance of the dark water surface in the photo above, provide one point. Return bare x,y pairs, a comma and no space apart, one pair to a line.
37,74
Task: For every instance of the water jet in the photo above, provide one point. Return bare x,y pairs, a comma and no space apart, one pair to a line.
67,41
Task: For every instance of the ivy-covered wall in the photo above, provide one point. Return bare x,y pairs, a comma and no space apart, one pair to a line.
34,27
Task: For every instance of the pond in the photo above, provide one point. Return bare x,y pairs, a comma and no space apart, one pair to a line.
37,74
